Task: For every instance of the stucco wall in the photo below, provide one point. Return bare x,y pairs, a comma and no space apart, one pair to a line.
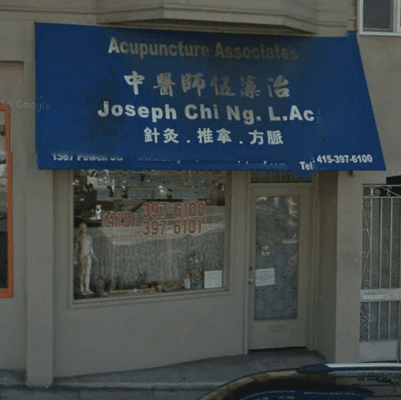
326,279
381,61
349,236
144,332
323,17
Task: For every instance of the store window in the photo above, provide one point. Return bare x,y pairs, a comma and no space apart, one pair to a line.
6,284
149,232
380,17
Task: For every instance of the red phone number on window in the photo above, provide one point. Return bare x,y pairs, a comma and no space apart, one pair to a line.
187,209
154,228
184,226
120,219
155,210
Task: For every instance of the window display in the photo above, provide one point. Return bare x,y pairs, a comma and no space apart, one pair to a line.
5,205
147,232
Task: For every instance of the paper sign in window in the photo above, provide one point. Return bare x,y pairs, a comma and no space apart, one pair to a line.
213,279
264,277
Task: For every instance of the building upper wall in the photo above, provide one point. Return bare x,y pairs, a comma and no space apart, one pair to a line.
322,17
289,13
381,60
48,6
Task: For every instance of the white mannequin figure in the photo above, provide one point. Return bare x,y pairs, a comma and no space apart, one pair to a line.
84,254
98,212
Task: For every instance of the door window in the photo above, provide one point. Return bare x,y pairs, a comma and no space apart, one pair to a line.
276,269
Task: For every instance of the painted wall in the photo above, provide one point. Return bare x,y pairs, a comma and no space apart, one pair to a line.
381,60
326,268
323,17
349,236
97,337
334,18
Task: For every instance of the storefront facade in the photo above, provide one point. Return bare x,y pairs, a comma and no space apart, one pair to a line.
166,205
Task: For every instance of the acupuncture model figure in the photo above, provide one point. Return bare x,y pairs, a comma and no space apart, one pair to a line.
84,255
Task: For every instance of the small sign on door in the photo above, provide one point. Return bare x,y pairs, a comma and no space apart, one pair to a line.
265,250
264,277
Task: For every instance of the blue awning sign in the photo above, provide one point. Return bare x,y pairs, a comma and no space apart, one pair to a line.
145,99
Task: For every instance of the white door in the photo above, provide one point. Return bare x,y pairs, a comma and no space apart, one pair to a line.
279,274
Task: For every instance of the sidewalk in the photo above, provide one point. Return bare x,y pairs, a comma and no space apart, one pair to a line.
187,381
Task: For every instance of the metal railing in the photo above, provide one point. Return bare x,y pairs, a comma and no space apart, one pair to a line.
381,264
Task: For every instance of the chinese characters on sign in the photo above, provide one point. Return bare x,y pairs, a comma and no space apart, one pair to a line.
205,135
277,85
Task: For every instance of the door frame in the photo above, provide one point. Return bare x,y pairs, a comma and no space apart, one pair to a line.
312,259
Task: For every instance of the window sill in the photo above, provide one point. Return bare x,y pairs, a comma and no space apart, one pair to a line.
148,298
371,33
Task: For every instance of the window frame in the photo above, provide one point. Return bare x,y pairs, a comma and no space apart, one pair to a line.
8,293
396,21
225,290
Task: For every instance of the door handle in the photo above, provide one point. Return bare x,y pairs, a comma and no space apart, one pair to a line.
250,281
